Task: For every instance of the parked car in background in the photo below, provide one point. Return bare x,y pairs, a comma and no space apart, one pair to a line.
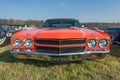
2,36
60,40
115,34
8,30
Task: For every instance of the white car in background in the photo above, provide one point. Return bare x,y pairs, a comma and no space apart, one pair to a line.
6,31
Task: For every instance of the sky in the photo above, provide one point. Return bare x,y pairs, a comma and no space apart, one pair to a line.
83,10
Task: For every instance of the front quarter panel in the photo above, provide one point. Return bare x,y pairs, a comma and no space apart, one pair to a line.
98,35
22,35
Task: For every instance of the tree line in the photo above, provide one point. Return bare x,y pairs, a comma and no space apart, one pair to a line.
20,22
39,23
102,25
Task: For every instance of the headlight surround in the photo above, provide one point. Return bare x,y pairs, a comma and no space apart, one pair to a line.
92,43
28,42
103,43
17,42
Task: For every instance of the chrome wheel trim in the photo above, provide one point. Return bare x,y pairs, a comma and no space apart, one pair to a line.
2,40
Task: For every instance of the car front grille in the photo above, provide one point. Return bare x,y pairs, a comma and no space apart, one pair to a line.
68,45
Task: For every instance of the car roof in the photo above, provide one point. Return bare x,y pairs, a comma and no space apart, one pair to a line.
61,19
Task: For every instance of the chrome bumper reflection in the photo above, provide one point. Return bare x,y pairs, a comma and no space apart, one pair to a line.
47,56
55,54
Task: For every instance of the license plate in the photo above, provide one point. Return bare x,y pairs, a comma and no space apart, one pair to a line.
59,59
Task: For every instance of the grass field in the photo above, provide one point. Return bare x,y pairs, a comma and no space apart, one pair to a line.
16,69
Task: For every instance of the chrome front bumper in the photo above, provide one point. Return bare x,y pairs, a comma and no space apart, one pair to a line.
46,56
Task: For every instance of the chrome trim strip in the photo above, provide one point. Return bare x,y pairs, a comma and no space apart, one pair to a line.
117,42
53,54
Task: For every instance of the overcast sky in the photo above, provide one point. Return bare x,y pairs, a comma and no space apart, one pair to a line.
83,10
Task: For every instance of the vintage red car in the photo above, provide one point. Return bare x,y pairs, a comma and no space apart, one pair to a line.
60,39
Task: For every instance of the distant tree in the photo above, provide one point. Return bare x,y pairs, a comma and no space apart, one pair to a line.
34,22
39,23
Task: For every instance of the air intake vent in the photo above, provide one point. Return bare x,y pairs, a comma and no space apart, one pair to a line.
77,47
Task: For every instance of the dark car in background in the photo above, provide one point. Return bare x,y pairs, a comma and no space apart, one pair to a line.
2,36
115,34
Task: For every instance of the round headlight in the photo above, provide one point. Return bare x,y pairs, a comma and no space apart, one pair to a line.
17,42
91,43
27,42
103,43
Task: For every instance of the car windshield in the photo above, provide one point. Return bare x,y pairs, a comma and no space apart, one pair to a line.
61,23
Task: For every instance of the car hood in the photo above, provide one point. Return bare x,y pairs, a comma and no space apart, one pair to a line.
60,33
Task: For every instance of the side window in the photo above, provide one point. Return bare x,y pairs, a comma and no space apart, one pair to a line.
77,24
46,24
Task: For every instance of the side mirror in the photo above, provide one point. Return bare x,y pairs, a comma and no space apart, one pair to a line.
82,26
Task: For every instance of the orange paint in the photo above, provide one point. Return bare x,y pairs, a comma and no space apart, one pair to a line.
61,33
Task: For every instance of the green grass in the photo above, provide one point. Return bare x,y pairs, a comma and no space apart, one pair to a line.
16,69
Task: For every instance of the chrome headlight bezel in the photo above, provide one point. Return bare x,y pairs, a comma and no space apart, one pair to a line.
28,42
16,42
103,43
92,43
